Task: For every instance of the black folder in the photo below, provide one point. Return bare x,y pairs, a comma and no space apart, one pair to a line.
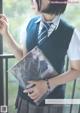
33,66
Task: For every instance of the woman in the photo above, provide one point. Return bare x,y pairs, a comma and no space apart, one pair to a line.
60,39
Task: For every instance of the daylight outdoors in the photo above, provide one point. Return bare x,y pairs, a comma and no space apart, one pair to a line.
17,11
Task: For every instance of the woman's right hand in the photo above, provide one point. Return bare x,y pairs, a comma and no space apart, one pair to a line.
3,25
15,48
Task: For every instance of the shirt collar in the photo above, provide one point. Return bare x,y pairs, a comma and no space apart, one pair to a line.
39,20
55,21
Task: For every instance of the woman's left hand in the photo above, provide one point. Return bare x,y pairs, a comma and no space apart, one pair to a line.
38,90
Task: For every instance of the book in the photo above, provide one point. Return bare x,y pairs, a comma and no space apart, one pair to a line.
33,66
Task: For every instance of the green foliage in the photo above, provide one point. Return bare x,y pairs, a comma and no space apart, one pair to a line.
16,7
16,11
72,14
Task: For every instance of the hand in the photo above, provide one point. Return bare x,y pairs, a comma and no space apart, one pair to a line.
38,90
3,24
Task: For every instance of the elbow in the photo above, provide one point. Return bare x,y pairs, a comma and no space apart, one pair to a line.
76,71
19,55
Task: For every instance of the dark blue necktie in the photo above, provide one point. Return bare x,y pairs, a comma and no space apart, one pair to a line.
44,32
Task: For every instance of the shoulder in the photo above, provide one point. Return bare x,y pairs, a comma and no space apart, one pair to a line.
76,33
76,37
66,25
28,22
32,20
66,28
74,47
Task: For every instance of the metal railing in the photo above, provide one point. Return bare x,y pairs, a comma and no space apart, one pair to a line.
6,58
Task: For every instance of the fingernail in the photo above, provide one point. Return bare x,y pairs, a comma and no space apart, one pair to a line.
24,91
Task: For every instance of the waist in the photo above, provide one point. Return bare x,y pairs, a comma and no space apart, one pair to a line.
57,93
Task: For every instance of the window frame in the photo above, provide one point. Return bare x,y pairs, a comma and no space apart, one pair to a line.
1,62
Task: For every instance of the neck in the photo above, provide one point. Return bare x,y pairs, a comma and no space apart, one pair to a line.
48,17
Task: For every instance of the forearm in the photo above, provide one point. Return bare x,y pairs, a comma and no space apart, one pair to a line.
64,78
13,46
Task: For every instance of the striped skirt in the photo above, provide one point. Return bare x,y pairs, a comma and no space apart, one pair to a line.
24,106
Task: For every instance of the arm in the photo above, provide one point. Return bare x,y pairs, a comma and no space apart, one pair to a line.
41,87
74,56
14,47
68,76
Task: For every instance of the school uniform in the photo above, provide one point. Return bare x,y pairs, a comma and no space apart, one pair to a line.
62,39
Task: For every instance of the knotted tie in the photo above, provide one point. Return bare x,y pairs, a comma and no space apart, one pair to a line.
44,32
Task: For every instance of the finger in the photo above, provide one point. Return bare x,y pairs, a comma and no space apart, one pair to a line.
32,82
2,14
28,90
30,85
4,17
34,96
1,24
2,21
37,99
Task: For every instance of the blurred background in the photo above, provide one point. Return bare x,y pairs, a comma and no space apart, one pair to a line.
19,10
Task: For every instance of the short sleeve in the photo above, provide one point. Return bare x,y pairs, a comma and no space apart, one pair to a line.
74,46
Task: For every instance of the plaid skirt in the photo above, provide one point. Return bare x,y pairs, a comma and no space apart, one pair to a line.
24,106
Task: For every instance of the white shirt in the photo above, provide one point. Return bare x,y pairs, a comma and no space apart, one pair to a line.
73,51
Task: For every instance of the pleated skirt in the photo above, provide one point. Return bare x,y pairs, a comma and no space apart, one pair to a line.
24,106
